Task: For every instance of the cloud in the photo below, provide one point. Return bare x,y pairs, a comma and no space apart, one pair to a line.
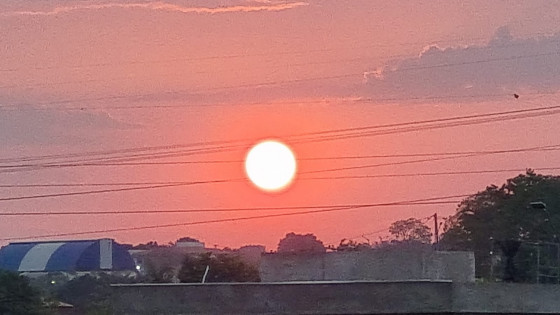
503,65
252,6
20,126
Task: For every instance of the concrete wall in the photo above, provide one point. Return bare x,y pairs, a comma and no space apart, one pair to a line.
362,297
506,298
284,298
379,264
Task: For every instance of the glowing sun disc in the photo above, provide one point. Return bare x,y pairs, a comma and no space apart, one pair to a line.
271,165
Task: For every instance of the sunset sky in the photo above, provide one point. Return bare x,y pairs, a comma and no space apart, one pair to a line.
184,88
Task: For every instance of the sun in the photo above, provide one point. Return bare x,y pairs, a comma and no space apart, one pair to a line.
271,165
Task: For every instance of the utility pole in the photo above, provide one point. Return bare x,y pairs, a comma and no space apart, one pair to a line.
436,231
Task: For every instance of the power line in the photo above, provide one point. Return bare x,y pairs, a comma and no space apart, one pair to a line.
105,152
281,53
149,187
421,160
352,157
466,63
168,151
224,88
429,174
370,233
207,58
333,244
128,157
88,184
406,127
423,220
213,210
311,63
50,84
342,76
429,154
321,135
102,191
269,103
403,203
286,82
179,184
369,176
358,167
439,120
427,127
125,151
266,54
264,103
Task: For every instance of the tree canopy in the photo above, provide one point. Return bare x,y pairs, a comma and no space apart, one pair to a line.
300,243
348,245
149,245
411,230
187,239
524,210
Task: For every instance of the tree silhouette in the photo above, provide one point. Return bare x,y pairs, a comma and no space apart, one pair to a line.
487,220
347,245
300,243
410,230
17,296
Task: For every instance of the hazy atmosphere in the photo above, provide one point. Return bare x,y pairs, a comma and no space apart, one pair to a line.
392,109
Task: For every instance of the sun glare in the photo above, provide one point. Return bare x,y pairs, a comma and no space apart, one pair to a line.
271,166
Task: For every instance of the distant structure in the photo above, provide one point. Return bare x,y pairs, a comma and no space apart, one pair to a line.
251,254
66,256
373,264
172,257
189,244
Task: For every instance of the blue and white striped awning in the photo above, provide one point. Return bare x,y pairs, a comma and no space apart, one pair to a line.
90,255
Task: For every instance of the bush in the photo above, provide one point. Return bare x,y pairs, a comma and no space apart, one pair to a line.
222,268
17,296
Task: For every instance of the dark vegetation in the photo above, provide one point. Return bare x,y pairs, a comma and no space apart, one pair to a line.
221,268
512,229
17,296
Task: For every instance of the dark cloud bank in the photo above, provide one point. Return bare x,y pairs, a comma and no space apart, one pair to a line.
503,65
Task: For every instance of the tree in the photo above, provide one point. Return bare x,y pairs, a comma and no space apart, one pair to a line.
221,268
299,243
188,239
410,230
17,296
158,273
160,264
350,245
88,294
500,220
148,246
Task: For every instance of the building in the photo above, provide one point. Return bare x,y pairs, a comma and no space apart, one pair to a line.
251,254
172,257
66,256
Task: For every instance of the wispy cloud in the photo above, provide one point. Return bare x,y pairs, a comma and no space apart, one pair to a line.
255,6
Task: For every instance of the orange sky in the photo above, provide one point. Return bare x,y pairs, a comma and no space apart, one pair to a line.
82,76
